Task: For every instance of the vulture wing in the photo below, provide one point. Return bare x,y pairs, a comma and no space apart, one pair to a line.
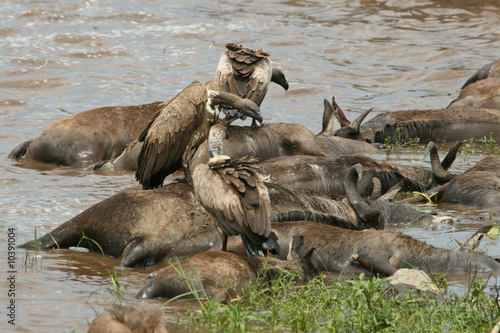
169,134
233,192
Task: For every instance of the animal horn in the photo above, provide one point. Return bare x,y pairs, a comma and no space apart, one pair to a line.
377,189
365,212
359,120
391,193
472,243
442,176
364,185
450,157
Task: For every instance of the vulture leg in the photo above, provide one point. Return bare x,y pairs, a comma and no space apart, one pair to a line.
224,242
199,136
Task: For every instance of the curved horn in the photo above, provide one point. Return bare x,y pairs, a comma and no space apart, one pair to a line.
370,216
442,176
357,123
364,185
391,193
377,189
450,157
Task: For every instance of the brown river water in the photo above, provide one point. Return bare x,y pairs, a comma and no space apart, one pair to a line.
60,58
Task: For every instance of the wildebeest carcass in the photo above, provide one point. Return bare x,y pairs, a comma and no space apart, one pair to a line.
377,251
446,125
88,137
263,142
324,174
143,227
222,275
477,187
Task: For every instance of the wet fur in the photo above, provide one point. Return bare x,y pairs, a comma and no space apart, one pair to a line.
480,94
478,186
88,137
128,319
143,227
322,175
221,275
387,251
447,125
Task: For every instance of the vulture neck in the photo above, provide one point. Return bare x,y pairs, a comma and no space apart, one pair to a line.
215,137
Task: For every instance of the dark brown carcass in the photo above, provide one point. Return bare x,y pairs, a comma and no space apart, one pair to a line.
377,251
88,137
446,125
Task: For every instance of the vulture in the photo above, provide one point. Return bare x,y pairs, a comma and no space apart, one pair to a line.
179,128
246,73
233,192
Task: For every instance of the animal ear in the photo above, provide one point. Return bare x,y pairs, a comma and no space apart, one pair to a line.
309,271
339,114
328,119
295,246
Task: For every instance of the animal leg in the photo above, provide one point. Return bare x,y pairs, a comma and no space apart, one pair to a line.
20,150
137,253
224,242
376,265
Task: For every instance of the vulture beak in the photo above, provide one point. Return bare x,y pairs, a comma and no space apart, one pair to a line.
279,78
252,110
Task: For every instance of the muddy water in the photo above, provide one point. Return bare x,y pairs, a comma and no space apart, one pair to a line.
60,58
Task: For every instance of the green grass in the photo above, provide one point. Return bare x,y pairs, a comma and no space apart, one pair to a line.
359,305
490,146
400,142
